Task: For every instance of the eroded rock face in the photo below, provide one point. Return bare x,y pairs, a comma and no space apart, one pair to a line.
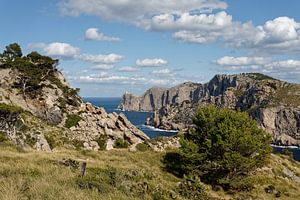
54,103
274,104
155,98
95,122
282,123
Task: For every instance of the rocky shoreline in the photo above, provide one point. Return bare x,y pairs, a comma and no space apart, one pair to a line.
274,104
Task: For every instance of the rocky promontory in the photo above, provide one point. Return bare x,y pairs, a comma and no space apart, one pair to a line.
39,109
155,98
274,104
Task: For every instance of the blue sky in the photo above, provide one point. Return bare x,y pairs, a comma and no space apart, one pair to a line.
109,47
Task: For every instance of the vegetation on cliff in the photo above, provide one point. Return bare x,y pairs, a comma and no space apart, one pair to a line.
32,71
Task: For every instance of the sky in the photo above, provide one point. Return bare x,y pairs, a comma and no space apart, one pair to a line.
107,48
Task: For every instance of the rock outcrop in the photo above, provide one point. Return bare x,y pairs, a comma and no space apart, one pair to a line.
44,111
274,104
155,98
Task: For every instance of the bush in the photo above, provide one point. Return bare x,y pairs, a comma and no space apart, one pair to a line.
288,153
120,143
3,138
102,140
9,108
192,188
142,147
224,145
72,120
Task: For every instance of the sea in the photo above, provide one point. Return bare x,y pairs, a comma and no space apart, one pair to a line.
138,119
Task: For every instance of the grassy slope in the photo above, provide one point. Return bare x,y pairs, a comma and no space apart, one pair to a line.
117,174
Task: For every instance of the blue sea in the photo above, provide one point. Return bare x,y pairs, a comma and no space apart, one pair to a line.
139,118
136,118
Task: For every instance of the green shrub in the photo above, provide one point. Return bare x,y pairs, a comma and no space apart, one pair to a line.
120,143
288,153
78,144
10,108
225,145
142,147
72,120
51,141
102,140
31,141
3,138
192,188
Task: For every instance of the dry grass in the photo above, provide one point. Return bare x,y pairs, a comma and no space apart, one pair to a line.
38,175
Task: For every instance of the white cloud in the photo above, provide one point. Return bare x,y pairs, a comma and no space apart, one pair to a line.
57,49
238,61
100,58
136,12
155,62
281,35
164,72
188,21
128,69
94,34
287,69
103,67
194,37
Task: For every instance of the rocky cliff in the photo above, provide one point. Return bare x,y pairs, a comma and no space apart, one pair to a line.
155,98
38,109
273,103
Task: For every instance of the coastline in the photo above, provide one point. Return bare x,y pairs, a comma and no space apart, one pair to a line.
158,129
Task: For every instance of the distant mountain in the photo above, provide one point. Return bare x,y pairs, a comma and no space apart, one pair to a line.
273,103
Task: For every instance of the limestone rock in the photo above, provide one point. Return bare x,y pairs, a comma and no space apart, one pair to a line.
274,104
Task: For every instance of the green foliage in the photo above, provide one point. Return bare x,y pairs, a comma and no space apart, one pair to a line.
142,147
11,52
51,141
9,108
259,76
33,69
78,144
192,188
287,153
102,140
120,143
72,120
134,183
31,141
3,137
224,145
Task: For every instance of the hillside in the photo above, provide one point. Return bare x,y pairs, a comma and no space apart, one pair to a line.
274,104
119,174
38,109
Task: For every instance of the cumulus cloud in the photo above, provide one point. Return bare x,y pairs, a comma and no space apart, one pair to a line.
287,69
100,58
147,62
103,67
94,34
280,35
128,69
238,61
164,72
136,12
191,21
188,21
113,79
57,49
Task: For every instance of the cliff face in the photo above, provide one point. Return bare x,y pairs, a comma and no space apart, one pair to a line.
52,114
273,103
155,98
